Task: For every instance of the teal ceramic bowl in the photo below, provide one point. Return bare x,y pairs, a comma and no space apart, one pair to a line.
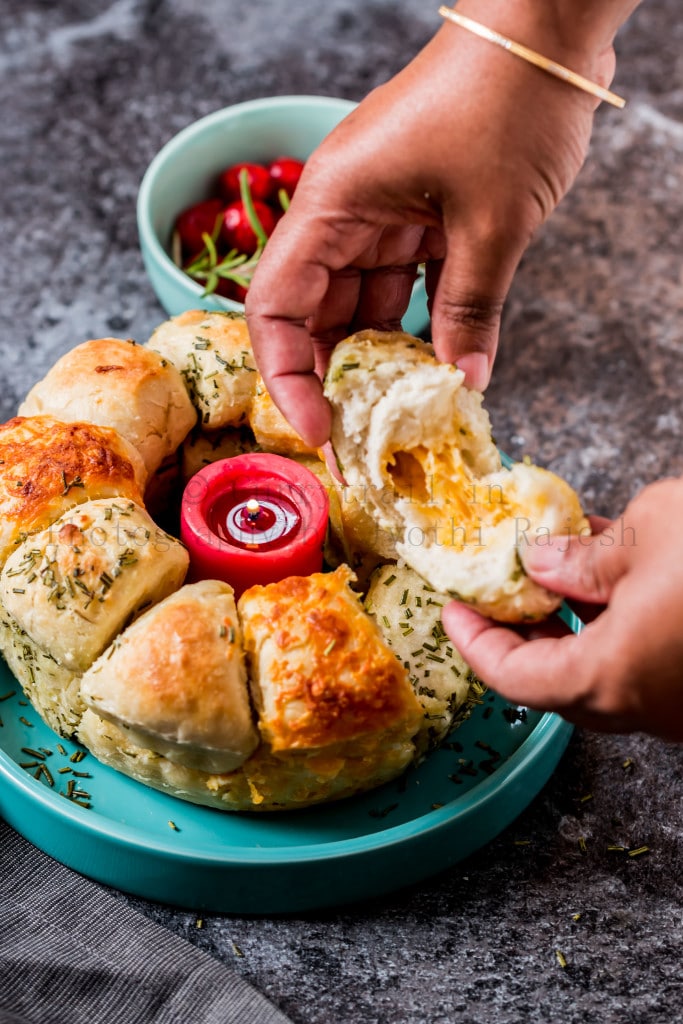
186,168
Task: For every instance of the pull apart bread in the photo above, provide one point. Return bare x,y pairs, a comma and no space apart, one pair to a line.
415,448
306,690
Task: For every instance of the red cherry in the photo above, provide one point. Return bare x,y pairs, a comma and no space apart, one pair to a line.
195,221
237,232
258,179
285,173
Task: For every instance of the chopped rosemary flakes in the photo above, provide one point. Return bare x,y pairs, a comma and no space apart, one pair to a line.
45,771
330,647
638,851
33,753
582,844
389,579
25,721
77,756
61,750
172,825
561,959
576,917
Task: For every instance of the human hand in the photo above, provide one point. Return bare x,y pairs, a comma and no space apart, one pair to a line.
455,163
624,671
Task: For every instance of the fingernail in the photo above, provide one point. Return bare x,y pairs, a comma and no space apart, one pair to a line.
476,369
546,557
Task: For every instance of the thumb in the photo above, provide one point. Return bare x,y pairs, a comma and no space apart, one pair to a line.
467,293
585,568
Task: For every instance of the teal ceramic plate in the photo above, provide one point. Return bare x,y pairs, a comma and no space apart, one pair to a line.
164,849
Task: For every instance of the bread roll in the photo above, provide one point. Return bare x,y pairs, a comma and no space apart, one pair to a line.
408,614
176,680
54,691
417,446
118,384
47,467
321,675
201,449
213,353
73,586
271,430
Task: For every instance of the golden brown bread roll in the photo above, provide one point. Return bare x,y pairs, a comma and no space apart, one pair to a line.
320,672
73,586
176,680
416,446
47,467
272,431
118,384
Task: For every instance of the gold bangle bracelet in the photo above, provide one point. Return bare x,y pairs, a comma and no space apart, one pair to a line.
551,66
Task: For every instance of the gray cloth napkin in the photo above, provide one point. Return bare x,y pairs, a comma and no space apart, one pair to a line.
70,951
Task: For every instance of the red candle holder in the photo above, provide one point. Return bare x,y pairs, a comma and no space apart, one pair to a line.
254,519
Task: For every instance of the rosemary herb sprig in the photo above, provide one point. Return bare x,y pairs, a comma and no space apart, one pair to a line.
208,268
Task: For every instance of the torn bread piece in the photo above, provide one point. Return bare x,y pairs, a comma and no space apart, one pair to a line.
116,383
416,445
176,681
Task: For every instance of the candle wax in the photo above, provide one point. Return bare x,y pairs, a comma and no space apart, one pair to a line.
273,523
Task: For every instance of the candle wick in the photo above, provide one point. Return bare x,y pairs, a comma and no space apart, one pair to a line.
253,509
